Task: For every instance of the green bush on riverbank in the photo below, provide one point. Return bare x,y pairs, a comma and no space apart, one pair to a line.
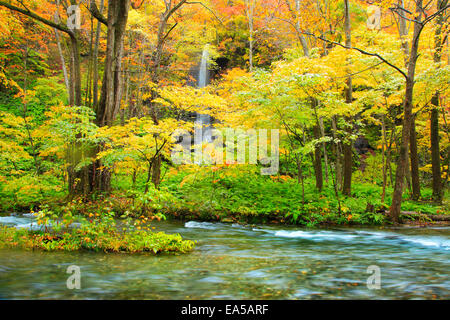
97,234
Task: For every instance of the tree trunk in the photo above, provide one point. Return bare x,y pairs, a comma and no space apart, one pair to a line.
111,95
63,64
434,119
156,174
80,182
76,69
324,145
348,149
403,31
250,8
149,176
412,175
395,209
337,146
95,59
383,146
435,151
296,16
318,160
348,169
403,155
415,182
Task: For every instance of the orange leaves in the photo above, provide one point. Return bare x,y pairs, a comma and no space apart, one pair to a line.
184,181
281,178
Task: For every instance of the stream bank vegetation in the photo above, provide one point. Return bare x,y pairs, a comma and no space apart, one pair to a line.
99,233
88,115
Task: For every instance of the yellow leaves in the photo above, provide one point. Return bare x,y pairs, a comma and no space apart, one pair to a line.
190,99
56,150
9,84
136,19
427,168
235,73
184,181
13,151
10,120
134,144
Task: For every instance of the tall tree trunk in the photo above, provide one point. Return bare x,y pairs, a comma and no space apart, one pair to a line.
435,151
403,31
61,55
434,119
81,182
63,64
388,157
75,69
413,173
250,9
395,209
318,160
324,145
337,147
383,154
299,31
296,16
95,59
88,93
156,171
414,160
111,95
348,149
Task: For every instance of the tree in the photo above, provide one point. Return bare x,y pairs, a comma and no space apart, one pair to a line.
348,149
422,16
250,11
434,132
419,24
75,96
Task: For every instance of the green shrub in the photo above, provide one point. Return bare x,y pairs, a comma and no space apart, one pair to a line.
97,234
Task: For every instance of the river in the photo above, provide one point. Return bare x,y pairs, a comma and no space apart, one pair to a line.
240,262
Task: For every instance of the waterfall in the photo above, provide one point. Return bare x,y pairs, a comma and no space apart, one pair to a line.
203,132
203,76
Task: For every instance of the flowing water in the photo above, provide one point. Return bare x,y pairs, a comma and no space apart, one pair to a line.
239,262
203,121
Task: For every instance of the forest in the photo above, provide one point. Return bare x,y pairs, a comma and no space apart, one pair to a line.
224,149
99,98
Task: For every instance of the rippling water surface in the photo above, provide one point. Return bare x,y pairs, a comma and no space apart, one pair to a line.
238,262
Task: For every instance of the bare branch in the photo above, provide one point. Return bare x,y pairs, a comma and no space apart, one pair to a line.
35,16
360,51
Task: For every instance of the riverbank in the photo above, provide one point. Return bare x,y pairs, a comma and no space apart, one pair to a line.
238,195
122,207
